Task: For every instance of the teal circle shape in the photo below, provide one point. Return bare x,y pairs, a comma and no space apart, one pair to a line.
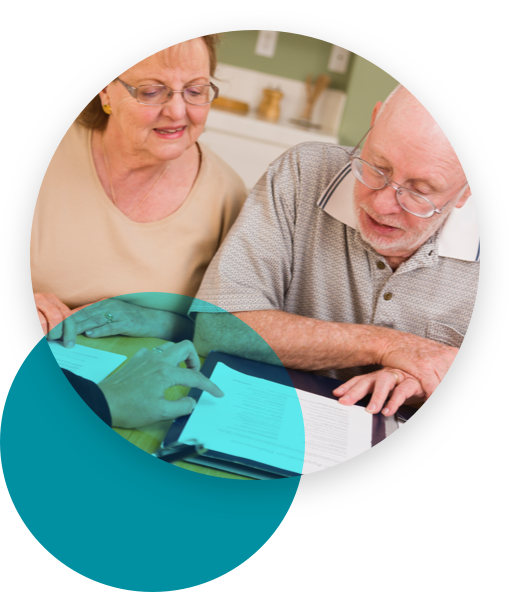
110,511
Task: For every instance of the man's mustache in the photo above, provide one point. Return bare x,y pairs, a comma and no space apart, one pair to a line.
385,220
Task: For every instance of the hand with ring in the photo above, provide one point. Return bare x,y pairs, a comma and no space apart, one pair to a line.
114,317
394,383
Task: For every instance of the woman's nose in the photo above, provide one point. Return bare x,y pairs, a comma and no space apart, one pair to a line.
384,201
175,108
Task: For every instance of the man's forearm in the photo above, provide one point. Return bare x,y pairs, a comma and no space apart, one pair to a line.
311,344
299,342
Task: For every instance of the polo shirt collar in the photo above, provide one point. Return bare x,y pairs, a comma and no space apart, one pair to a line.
458,238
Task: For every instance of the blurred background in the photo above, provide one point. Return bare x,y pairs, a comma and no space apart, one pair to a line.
281,89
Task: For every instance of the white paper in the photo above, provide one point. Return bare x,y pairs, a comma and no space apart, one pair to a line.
263,421
334,433
89,363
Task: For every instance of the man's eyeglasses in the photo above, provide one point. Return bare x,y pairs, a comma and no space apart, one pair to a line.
410,201
158,94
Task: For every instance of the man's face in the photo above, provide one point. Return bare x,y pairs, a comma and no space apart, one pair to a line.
416,155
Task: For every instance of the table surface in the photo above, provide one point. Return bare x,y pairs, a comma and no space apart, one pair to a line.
148,438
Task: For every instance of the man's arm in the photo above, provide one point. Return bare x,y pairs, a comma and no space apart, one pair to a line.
310,344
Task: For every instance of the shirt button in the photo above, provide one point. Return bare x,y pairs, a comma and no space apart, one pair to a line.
380,265
388,296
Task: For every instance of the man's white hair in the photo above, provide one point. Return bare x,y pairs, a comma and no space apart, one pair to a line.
388,100
405,101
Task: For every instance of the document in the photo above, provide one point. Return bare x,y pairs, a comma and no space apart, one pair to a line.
89,363
276,425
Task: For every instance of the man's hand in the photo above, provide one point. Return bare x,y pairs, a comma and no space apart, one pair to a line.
135,394
381,383
312,344
424,359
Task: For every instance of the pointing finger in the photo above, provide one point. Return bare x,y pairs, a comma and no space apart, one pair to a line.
193,379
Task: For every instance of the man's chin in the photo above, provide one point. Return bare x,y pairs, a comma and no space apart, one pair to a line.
386,246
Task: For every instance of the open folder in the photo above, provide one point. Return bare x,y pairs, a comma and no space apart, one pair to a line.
255,430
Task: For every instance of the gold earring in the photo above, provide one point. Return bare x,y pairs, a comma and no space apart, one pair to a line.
107,109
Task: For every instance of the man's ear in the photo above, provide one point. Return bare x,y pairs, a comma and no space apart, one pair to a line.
377,107
464,198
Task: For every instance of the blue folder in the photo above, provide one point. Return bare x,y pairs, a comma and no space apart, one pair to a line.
306,381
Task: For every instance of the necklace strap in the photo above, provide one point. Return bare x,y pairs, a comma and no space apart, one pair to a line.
108,170
111,184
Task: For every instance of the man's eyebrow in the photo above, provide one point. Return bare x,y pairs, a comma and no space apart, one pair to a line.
377,158
372,154
380,158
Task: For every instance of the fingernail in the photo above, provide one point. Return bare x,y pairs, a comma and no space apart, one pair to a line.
371,407
89,332
70,344
385,411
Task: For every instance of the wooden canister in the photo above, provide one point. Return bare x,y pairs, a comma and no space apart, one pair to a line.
269,108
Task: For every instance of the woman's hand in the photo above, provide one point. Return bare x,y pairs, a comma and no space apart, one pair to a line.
51,310
114,317
381,383
136,393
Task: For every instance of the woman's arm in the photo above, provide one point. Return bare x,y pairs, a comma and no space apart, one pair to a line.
114,317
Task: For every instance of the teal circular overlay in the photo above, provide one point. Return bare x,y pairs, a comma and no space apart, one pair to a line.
112,512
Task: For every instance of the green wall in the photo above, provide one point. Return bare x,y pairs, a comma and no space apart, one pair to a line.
367,85
297,56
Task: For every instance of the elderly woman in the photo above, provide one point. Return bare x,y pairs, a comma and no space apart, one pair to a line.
131,202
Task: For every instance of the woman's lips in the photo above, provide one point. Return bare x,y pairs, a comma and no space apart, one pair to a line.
172,133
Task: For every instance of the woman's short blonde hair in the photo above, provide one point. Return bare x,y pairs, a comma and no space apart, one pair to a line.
94,117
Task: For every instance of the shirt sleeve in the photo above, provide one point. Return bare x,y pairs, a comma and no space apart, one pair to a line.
91,394
253,268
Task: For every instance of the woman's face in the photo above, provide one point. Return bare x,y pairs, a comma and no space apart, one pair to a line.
160,132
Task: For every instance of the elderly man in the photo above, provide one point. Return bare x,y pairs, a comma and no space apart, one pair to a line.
341,260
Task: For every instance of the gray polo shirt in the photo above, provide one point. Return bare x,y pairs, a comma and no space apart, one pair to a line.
286,252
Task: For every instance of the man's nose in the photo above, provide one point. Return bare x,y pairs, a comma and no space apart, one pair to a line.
385,201
175,108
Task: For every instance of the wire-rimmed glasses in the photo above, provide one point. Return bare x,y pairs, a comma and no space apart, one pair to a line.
409,200
158,94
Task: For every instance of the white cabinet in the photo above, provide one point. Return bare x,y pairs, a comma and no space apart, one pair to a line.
249,145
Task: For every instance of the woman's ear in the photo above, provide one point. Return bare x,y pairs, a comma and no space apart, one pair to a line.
103,95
